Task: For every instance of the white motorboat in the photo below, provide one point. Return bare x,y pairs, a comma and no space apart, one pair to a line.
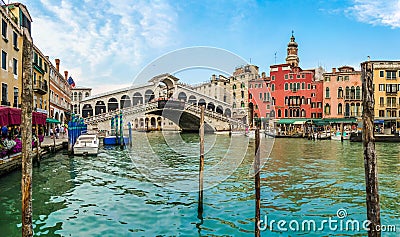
250,134
86,145
338,136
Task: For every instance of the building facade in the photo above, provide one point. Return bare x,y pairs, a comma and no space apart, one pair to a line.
386,85
78,93
342,93
260,98
11,59
60,94
41,81
296,93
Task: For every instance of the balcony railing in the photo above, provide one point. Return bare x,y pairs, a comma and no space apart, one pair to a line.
5,103
40,87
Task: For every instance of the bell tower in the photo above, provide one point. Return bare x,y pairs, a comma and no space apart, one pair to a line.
292,57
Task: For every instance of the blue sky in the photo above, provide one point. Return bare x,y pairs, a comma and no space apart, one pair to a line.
105,43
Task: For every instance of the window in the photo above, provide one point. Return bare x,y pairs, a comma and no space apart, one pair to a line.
15,66
250,97
286,87
286,77
308,86
273,78
303,85
327,95
298,76
15,41
234,105
242,104
242,85
339,109
273,87
346,78
303,76
327,78
381,74
261,96
15,97
242,94
35,57
234,86
4,93
381,87
391,88
4,29
327,109
4,60
358,93
347,92
391,75
381,113
291,77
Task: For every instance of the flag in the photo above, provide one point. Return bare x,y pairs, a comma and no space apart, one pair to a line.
71,82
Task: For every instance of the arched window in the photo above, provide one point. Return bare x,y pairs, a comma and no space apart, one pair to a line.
286,87
86,94
286,113
242,85
234,105
327,109
358,93
339,108
250,96
327,95
279,113
234,86
352,93
242,104
347,92
340,92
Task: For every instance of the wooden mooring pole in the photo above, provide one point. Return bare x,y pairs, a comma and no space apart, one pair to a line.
26,132
201,166
370,161
257,182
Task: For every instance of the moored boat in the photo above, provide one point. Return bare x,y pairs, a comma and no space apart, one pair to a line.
86,145
338,136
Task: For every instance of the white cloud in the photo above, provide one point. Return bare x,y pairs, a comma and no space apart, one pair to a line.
377,12
104,41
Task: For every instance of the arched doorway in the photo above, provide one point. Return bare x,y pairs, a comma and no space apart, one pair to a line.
182,96
148,96
100,107
112,104
202,102
153,123
219,109
192,99
211,106
87,111
125,102
137,99
228,112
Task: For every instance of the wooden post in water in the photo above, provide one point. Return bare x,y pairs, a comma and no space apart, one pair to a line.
341,132
257,182
26,132
370,162
37,144
54,138
201,166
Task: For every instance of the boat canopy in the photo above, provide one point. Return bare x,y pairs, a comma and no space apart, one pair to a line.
292,121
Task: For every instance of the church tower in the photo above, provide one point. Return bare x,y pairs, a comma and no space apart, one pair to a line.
292,57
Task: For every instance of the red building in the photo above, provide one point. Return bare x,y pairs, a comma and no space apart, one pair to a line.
260,98
296,93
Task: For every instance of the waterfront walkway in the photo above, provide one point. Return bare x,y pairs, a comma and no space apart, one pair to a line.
13,162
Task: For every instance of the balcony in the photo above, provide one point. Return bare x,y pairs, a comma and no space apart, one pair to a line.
351,97
40,87
391,93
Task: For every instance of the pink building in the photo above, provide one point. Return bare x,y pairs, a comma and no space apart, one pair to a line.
342,93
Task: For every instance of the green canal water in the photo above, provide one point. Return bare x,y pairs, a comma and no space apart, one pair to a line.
150,189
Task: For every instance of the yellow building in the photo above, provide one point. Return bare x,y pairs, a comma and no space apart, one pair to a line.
386,82
41,79
11,59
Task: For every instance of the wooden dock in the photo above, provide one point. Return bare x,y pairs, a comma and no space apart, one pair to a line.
13,162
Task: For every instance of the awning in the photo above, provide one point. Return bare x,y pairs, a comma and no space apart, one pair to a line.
286,121
51,120
38,118
299,122
340,120
380,121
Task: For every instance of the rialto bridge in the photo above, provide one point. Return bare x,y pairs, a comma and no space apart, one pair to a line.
141,106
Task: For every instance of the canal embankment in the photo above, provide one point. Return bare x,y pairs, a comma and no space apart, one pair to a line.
13,162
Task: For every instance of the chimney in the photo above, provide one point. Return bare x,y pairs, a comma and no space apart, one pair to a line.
66,75
58,64
333,70
213,77
263,74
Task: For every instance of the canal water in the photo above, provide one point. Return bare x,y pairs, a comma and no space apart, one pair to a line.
151,189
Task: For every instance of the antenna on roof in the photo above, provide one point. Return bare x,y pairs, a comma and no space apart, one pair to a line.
275,57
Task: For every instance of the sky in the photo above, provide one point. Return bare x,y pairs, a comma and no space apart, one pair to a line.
104,44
